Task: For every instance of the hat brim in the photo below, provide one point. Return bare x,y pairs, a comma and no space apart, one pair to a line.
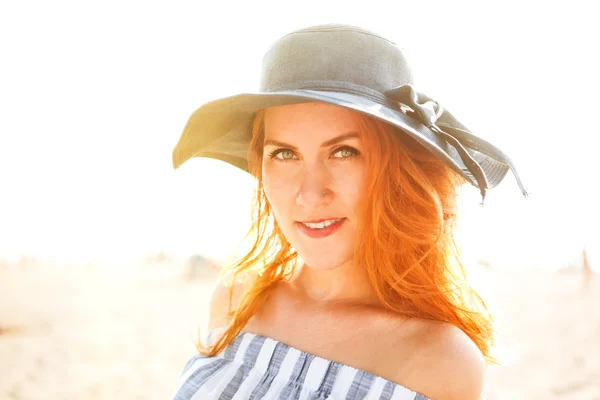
221,129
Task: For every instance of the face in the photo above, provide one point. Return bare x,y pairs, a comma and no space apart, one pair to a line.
313,176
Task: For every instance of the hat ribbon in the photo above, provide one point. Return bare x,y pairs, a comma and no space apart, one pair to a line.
430,113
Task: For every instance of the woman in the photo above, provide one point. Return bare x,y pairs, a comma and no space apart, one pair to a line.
352,288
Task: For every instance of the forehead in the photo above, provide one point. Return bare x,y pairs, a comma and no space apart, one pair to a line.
315,117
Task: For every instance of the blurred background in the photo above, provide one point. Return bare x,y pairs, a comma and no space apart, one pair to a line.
108,256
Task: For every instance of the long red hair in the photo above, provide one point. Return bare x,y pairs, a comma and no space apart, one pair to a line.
407,239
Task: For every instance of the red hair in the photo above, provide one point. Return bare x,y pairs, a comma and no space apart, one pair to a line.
407,241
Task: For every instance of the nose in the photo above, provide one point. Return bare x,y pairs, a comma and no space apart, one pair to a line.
314,190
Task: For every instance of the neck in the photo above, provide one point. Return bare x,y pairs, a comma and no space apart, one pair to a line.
343,284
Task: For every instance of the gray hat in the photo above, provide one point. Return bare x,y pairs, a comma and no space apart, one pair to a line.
349,67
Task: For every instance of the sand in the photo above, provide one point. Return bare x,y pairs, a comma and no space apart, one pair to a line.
125,332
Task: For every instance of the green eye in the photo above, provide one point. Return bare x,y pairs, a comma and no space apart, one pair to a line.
282,154
346,152
286,155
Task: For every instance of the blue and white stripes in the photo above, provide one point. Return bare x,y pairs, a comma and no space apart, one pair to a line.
255,367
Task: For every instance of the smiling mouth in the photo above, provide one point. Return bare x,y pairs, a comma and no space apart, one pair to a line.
321,229
321,224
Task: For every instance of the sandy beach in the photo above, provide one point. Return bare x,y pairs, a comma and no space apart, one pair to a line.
125,332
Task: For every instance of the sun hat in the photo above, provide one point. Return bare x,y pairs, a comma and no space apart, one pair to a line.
350,67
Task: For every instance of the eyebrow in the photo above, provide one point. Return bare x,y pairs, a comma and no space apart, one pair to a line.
328,143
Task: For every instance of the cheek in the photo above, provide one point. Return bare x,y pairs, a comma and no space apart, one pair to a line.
350,184
274,177
279,187
275,180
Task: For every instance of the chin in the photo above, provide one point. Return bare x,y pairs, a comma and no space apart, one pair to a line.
321,261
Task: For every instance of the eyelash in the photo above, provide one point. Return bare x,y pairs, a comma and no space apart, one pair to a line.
274,153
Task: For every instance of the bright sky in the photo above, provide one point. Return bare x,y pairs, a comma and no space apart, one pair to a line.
94,95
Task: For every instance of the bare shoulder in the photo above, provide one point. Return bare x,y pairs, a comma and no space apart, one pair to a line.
222,301
446,364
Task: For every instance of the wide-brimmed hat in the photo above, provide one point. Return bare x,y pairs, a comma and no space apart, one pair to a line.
349,67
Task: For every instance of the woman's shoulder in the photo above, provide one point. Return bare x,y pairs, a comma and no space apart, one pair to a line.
438,360
444,363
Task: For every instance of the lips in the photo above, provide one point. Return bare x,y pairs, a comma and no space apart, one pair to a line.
317,233
321,220
320,224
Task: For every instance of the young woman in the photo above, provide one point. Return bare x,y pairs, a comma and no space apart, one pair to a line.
353,286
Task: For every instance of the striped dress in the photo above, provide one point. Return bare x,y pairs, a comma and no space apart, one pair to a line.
256,367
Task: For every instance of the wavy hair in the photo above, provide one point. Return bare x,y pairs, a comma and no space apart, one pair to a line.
407,235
